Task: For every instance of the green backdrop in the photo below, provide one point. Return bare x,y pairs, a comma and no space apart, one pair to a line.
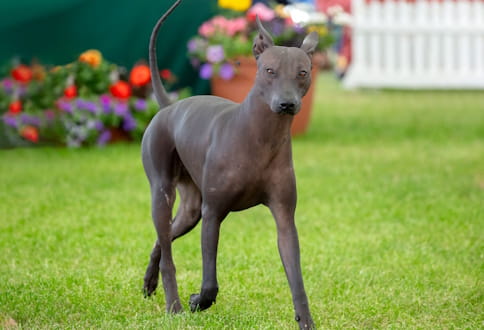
57,31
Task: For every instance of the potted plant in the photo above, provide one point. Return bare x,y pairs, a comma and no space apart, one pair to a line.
222,50
89,101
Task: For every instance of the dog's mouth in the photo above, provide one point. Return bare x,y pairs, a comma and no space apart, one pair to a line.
291,112
284,110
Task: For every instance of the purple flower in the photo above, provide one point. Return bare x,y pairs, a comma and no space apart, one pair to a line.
65,106
121,108
192,45
87,105
104,137
92,107
197,45
299,29
140,104
277,27
129,123
7,85
215,53
95,125
10,121
49,115
105,101
80,103
206,71
22,90
29,120
227,71
98,125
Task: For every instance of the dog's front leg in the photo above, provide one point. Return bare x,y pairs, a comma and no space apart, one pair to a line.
210,235
288,244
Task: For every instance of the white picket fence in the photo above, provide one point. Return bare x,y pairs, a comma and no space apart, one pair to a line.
417,44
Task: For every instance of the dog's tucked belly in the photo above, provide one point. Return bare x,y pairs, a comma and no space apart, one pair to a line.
236,197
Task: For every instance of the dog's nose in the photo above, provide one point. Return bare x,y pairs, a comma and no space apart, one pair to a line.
287,106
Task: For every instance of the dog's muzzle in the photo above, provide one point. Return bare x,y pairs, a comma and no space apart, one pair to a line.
288,107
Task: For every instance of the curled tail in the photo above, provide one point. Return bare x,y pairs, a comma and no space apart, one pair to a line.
158,89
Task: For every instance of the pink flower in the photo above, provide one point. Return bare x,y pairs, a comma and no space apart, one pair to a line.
261,10
220,22
222,25
207,29
236,25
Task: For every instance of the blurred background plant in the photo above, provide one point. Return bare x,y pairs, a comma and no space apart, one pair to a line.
89,101
226,37
94,101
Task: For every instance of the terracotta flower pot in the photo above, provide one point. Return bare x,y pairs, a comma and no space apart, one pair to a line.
118,135
237,88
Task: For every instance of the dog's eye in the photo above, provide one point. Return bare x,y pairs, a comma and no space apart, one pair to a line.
270,71
302,73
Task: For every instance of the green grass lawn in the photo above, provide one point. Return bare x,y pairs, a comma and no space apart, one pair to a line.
390,218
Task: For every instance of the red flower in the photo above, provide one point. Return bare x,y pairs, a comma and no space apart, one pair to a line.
251,16
15,107
121,90
70,92
22,73
140,75
166,74
30,133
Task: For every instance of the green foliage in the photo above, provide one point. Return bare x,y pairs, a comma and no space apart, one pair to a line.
235,46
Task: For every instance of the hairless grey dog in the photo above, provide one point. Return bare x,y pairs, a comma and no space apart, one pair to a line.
221,157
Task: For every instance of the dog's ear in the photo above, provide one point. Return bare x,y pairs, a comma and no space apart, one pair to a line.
262,41
310,43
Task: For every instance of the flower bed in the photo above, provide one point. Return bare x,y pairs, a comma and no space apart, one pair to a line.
89,101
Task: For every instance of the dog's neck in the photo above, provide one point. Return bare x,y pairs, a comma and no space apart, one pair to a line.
260,125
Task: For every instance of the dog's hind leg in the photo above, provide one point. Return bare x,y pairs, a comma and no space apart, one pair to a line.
152,271
162,170
187,217
189,211
163,198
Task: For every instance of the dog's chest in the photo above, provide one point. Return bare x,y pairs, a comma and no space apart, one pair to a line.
241,184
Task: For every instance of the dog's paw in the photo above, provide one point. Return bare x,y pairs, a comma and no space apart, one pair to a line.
305,323
175,307
195,303
151,283
198,304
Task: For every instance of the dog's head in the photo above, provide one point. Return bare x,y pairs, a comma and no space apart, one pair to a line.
283,73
